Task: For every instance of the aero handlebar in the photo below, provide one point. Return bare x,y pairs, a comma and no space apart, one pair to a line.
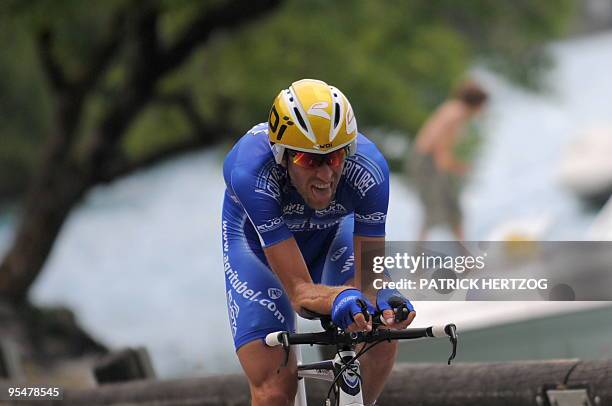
339,338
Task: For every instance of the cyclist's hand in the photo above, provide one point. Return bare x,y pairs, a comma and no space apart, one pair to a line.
397,311
351,311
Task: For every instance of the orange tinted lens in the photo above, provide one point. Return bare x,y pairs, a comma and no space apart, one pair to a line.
310,160
335,158
306,160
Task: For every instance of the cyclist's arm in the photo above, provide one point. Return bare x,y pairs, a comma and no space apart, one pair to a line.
364,281
287,262
370,217
364,278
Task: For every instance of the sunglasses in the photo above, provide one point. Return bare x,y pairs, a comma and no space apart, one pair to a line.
310,160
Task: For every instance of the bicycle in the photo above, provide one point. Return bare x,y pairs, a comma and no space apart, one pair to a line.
347,391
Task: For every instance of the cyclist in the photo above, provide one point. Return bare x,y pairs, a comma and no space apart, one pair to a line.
302,190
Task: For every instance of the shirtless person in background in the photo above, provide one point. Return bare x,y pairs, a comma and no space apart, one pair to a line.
435,168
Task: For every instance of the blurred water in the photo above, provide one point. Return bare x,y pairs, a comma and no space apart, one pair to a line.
140,260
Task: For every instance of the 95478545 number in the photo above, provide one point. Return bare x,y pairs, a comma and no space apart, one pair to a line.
31,393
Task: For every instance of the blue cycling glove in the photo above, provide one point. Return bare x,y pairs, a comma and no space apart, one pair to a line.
393,299
347,304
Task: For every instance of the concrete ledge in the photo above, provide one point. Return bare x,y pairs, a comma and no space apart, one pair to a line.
474,384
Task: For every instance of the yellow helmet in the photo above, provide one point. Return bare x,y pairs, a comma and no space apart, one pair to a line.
311,116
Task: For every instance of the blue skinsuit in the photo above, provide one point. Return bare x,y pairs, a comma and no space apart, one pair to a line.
262,208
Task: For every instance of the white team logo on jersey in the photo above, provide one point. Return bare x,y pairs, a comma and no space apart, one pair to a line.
274,293
336,255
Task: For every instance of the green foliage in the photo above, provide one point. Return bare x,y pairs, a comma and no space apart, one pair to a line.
24,109
394,60
150,132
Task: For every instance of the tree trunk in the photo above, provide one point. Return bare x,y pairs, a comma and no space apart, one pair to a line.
53,192
46,209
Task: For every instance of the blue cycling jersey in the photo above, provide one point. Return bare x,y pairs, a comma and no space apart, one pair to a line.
262,208
275,209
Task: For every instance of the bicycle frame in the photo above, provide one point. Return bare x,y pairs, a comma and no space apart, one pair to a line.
349,391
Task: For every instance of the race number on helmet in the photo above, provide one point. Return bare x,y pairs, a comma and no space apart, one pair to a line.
311,116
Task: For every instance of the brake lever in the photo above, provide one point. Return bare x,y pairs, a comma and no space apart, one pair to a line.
364,309
285,341
401,313
399,308
451,330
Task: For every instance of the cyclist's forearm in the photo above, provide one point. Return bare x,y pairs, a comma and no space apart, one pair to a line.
314,297
364,278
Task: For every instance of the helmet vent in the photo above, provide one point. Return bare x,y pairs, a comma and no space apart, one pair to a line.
300,119
336,114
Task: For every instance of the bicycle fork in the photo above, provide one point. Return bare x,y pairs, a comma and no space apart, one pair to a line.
347,378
